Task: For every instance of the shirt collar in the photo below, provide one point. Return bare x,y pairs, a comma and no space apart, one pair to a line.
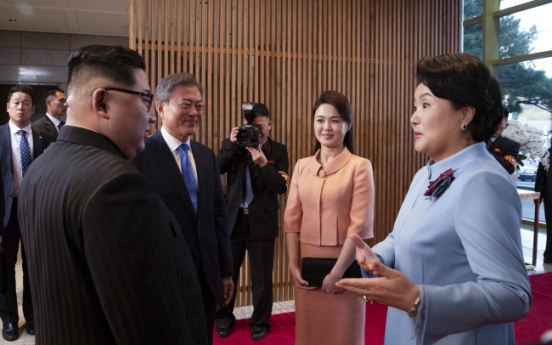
456,160
331,167
55,121
172,142
14,129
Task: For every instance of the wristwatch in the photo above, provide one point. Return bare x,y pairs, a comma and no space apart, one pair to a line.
414,310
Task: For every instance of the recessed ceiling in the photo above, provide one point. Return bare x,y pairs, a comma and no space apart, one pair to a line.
86,17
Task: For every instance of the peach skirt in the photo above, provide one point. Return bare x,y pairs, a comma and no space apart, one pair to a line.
323,318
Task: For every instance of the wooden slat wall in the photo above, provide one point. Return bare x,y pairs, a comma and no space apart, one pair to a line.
284,53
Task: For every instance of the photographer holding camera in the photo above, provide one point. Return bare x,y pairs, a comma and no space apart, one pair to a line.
257,168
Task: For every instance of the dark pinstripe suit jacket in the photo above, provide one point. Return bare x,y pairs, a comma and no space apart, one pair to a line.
108,263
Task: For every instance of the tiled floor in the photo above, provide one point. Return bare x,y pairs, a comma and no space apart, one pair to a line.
287,306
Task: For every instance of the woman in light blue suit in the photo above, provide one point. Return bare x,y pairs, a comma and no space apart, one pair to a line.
452,269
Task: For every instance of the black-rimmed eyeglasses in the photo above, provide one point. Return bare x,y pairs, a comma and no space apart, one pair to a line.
148,97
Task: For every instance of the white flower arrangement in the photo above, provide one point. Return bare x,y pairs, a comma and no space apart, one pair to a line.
532,142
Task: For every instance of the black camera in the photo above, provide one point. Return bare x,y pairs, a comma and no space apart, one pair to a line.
248,134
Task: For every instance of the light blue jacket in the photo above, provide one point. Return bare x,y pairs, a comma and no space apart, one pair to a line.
463,250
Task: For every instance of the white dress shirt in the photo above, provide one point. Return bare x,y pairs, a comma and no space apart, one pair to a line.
173,145
15,139
55,121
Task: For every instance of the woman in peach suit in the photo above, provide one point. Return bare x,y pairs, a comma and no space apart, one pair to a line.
331,197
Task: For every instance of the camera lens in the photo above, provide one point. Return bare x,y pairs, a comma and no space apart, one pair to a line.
244,137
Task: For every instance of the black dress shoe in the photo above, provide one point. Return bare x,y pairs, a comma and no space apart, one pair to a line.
223,330
258,333
29,327
10,331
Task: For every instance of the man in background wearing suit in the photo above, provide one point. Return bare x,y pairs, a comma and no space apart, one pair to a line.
107,260
185,174
20,144
254,224
56,107
543,184
504,150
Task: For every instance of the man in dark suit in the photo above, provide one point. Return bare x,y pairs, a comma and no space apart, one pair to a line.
20,144
107,260
504,150
543,184
254,224
56,107
196,199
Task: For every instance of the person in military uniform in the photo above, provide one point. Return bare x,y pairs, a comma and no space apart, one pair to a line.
504,150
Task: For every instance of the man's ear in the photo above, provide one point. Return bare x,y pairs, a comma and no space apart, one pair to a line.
99,102
160,107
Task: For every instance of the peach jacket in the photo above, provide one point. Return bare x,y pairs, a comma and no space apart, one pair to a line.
327,203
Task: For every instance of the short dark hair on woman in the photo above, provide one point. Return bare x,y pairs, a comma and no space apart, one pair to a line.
345,111
463,80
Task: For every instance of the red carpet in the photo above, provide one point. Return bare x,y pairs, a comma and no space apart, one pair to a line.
282,332
539,318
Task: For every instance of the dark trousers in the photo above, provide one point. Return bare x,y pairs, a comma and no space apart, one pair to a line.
209,301
548,215
8,301
261,258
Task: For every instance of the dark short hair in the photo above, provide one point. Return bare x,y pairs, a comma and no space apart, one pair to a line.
167,85
116,63
345,111
463,80
21,88
259,109
52,92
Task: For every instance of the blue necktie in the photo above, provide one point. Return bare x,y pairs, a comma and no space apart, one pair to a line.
60,124
25,152
188,173
248,187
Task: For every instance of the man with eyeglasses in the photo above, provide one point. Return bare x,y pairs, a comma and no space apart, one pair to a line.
20,145
186,176
107,259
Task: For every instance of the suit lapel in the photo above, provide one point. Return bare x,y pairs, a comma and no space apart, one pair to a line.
50,125
267,150
38,144
5,147
167,165
202,167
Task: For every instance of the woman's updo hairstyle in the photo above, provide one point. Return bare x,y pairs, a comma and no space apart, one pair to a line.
463,80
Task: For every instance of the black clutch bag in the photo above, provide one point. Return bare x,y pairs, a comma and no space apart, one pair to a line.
314,270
